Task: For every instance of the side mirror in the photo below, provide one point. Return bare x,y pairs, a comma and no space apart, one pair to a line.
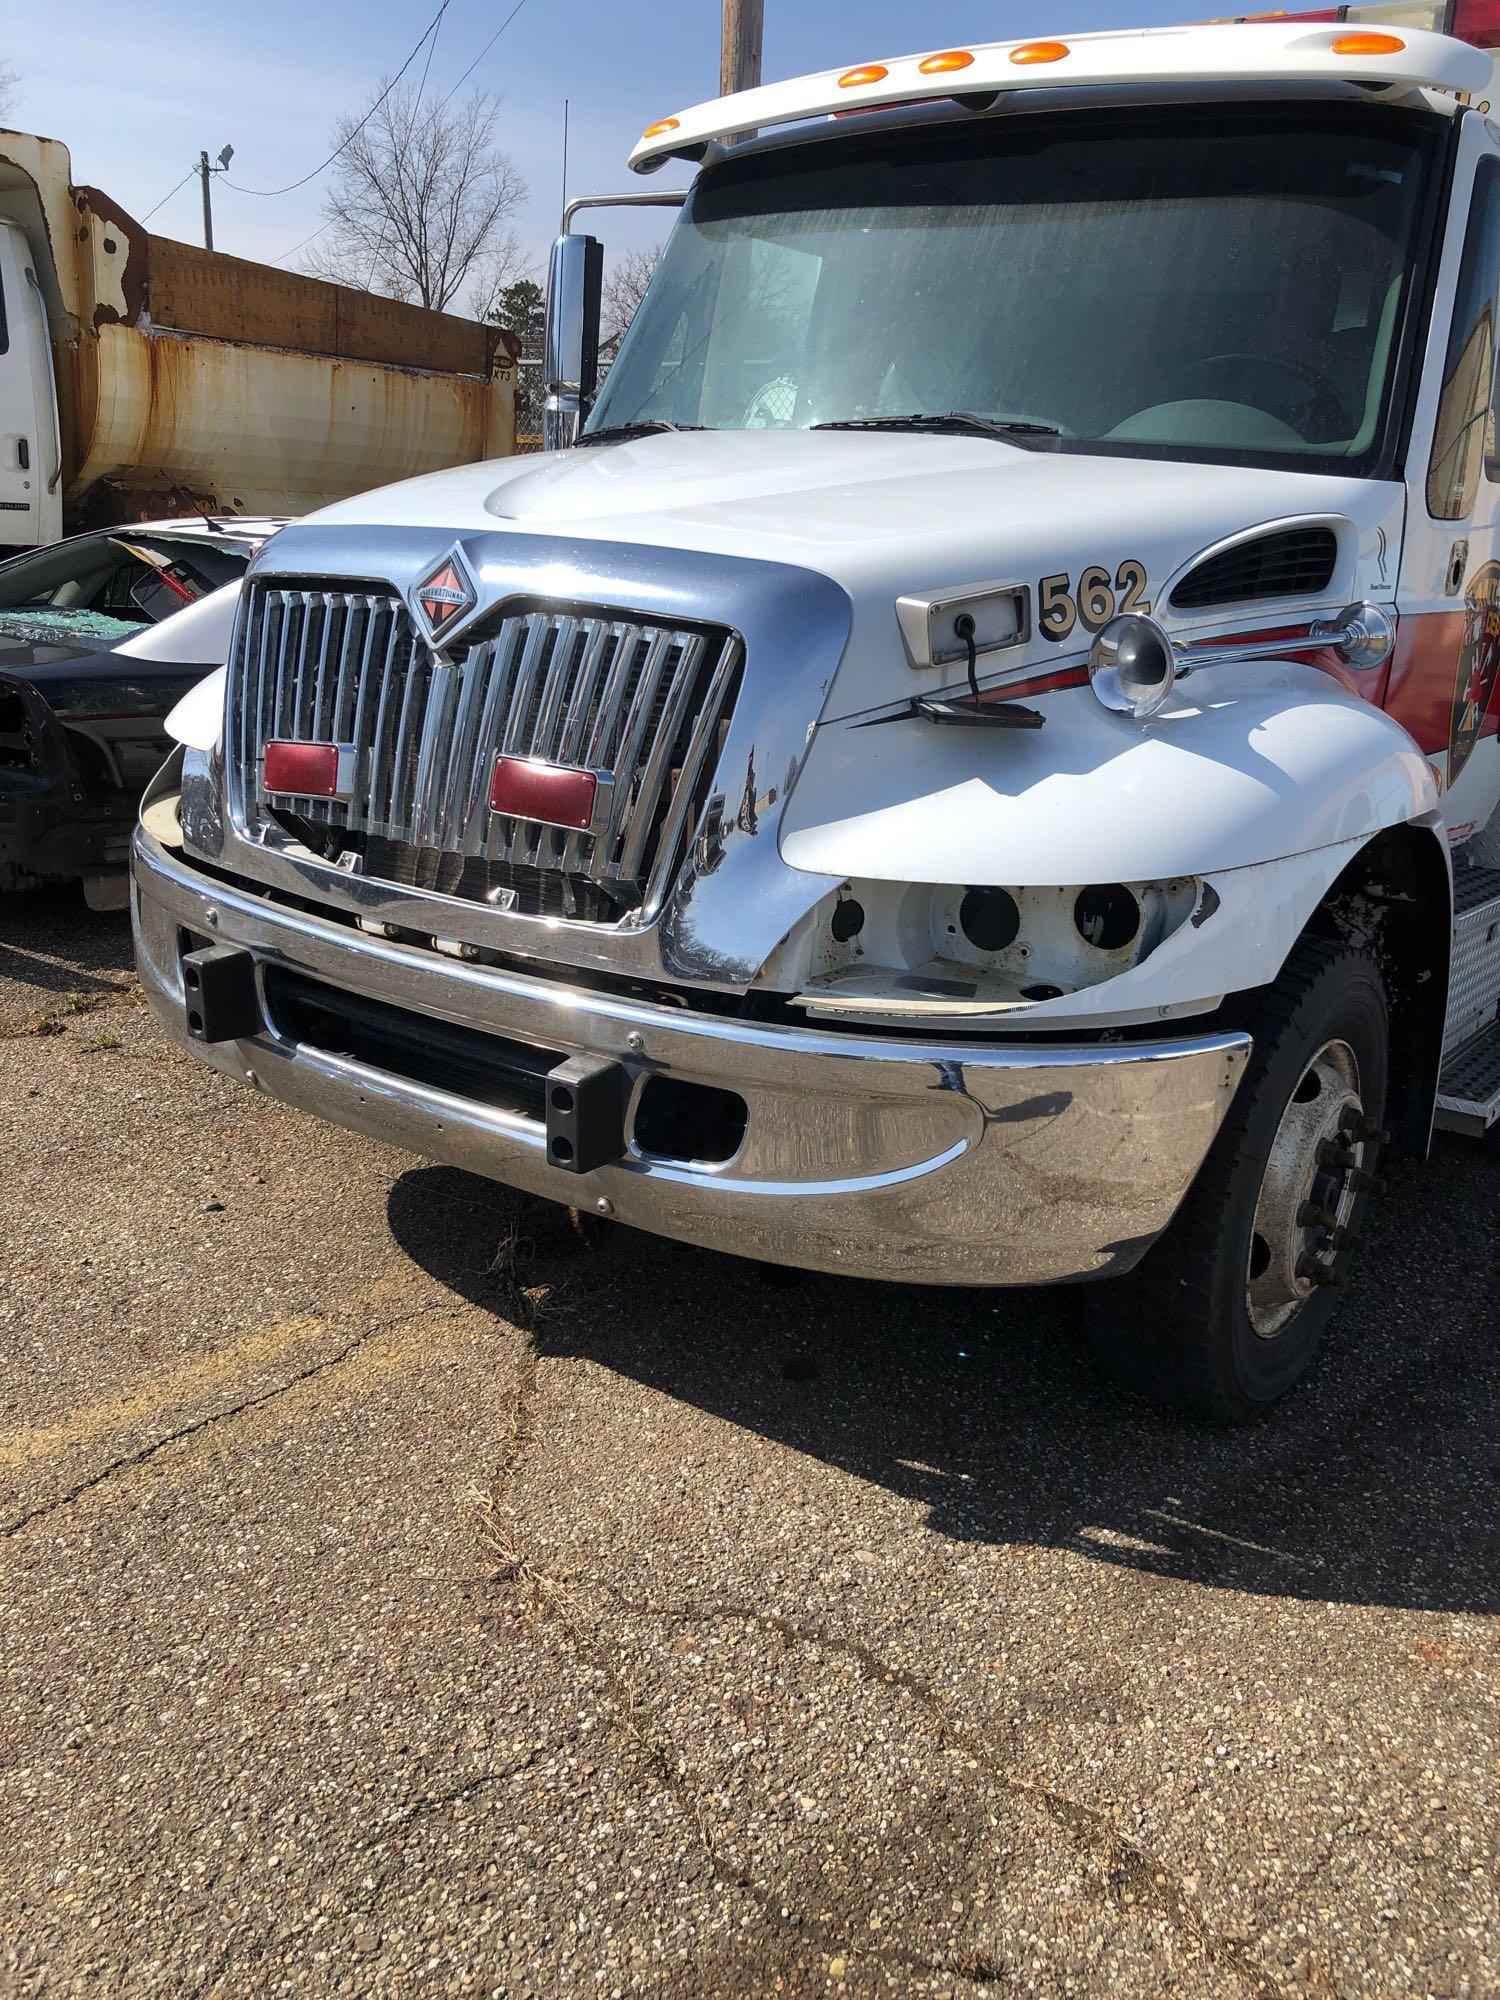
570,361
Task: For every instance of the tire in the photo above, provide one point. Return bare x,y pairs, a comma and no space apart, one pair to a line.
1212,1323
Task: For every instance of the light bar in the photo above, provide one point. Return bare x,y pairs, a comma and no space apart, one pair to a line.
1473,21
1282,51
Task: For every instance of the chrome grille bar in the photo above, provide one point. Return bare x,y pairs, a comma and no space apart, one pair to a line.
601,642
638,703
697,767
634,830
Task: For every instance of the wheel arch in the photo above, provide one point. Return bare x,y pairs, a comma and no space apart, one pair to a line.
1395,900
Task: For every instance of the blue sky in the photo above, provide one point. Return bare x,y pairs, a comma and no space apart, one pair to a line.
136,89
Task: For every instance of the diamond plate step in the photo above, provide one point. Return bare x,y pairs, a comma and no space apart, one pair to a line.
1474,988
1469,1094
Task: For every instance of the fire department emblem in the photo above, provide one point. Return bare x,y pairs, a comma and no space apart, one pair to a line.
1478,666
445,598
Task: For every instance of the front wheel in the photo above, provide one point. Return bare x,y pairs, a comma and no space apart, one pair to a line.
1229,1308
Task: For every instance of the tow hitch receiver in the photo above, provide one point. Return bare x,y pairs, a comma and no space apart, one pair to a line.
585,1114
218,982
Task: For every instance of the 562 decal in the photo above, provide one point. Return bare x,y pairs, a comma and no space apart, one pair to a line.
1098,598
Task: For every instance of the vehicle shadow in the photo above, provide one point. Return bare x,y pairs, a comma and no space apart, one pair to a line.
52,942
1378,1483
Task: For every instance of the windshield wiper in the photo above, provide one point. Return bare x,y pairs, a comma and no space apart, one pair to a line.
647,427
954,423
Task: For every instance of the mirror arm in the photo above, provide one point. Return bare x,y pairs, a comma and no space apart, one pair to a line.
575,278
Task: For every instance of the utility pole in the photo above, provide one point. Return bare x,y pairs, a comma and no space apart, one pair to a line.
204,171
740,45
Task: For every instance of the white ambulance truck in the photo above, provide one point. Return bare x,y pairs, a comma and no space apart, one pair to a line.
973,759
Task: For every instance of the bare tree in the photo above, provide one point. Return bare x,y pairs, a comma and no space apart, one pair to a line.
624,287
9,83
419,199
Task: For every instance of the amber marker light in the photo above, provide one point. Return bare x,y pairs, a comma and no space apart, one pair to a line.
946,63
662,125
869,73
1367,45
1039,52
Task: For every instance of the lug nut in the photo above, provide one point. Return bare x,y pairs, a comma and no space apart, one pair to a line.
1317,1273
1375,1134
1348,1242
1363,1183
1332,1154
1311,1216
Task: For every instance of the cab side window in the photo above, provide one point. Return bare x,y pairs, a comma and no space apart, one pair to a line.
1464,439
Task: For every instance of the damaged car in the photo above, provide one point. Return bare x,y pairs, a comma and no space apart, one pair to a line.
93,655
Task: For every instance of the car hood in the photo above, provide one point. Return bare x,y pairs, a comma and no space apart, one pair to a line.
82,684
888,514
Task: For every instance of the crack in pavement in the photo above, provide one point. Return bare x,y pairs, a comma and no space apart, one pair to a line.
404,1817
667,1770
130,1461
1090,1827
387,1833
1091,1830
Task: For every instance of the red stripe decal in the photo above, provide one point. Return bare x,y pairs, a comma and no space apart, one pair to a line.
1423,670
1064,677
1419,685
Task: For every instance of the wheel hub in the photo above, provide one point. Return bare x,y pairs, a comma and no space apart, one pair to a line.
1315,1173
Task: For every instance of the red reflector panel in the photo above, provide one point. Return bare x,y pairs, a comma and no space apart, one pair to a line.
525,788
310,770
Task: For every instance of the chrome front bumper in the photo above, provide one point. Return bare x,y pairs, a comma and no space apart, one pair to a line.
970,1163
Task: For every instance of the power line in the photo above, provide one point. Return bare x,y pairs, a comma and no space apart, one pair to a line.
386,224
169,193
303,244
486,49
431,49
420,88
350,137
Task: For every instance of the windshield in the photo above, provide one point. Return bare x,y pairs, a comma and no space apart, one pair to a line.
1201,283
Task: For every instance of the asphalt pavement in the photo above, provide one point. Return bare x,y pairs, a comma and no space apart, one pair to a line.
405,1589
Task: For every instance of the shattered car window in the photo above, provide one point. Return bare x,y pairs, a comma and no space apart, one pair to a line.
91,630
95,590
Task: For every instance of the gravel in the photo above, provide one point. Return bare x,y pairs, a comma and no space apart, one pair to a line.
407,1591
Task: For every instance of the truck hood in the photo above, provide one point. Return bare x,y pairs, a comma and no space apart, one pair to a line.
886,514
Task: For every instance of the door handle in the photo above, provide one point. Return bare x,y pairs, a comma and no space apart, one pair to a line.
23,454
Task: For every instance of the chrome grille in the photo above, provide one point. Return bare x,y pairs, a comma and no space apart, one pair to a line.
638,703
